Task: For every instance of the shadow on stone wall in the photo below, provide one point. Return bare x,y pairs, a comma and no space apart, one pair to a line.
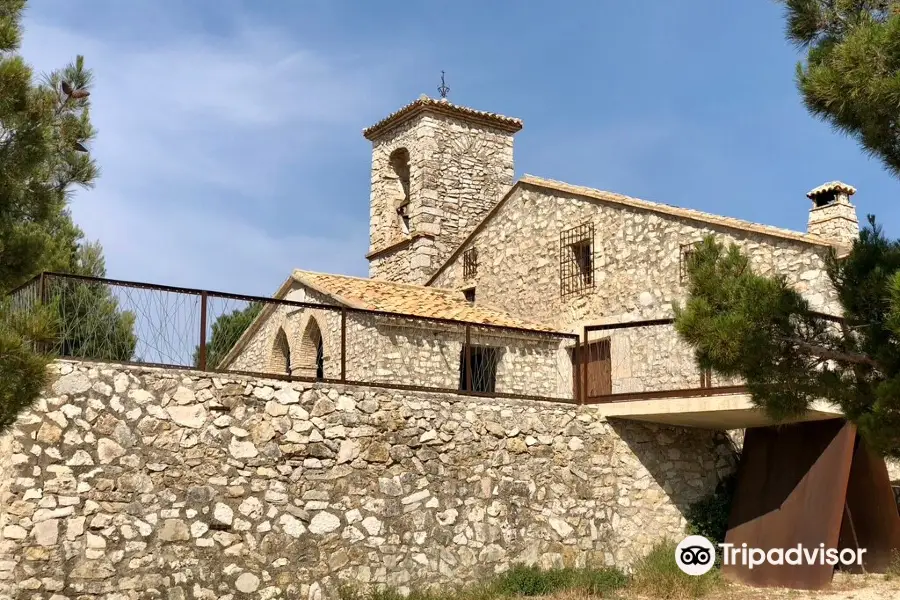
685,462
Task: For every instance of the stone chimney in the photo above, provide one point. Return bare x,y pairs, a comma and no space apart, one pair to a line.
832,217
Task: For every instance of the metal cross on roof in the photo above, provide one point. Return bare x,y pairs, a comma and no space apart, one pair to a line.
443,90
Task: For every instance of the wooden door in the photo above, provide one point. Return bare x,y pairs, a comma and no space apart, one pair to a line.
597,373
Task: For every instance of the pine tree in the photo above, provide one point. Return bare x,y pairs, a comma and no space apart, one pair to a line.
44,129
89,321
762,330
226,331
850,78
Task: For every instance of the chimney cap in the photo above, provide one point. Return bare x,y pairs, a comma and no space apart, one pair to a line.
830,188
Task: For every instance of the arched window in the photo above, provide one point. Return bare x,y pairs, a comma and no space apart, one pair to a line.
311,361
399,162
280,358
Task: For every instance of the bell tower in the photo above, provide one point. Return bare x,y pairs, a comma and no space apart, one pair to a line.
437,169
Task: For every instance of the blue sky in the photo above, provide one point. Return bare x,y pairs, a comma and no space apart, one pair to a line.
230,132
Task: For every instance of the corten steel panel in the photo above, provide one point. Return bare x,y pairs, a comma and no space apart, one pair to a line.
871,510
791,486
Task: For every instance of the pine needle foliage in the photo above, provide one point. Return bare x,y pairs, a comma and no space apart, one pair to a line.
45,131
760,329
851,75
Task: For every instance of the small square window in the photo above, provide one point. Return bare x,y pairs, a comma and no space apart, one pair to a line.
470,295
576,259
584,256
481,373
470,263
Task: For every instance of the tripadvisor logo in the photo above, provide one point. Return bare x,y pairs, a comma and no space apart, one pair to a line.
696,555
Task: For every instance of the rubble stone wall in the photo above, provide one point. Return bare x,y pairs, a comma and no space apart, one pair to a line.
637,259
458,170
397,350
132,483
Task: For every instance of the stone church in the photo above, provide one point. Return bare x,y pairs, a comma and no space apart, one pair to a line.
453,235
383,462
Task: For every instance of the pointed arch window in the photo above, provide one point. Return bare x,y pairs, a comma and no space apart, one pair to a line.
280,358
311,360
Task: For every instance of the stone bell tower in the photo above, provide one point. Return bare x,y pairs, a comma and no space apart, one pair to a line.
437,169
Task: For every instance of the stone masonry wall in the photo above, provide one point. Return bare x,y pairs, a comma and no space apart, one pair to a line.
414,262
255,356
409,352
127,483
637,258
646,359
835,222
458,171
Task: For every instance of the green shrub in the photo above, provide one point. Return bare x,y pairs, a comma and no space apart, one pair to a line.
658,576
709,517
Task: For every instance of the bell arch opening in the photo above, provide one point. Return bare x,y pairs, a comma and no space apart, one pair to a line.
311,359
280,357
399,162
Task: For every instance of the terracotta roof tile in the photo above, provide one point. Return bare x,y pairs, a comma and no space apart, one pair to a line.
831,186
407,299
443,106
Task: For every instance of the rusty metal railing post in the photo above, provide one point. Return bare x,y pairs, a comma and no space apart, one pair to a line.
203,302
42,347
470,385
344,344
582,369
576,373
43,289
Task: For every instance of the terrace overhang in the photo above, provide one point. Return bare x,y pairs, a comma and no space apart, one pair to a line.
732,410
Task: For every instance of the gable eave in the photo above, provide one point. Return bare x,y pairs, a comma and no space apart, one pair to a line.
619,200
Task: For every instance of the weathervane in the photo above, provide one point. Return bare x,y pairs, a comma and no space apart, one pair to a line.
443,90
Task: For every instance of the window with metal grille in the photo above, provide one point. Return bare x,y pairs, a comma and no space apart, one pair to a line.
481,374
470,263
576,259
687,251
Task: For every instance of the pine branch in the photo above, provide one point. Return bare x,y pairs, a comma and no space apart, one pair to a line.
825,353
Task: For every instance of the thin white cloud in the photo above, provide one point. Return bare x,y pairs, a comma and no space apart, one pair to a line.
182,124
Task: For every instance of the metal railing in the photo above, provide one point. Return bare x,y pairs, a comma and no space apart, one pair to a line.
646,360
115,321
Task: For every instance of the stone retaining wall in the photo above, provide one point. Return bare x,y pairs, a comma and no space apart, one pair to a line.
126,483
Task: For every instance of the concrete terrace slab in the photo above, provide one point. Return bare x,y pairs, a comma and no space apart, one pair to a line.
726,411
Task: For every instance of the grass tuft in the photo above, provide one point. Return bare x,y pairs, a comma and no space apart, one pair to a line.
532,581
893,568
519,581
658,576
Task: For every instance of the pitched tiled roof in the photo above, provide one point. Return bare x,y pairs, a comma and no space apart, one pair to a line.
831,186
407,299
687,213
443,106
